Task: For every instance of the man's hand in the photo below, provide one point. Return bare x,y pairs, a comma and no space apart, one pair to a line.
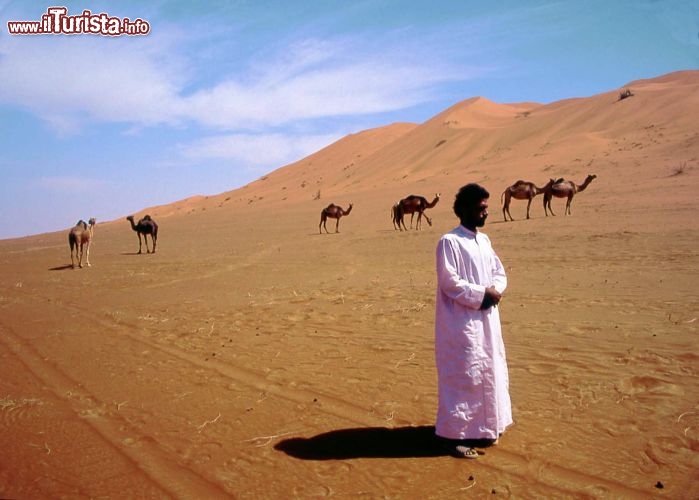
491,298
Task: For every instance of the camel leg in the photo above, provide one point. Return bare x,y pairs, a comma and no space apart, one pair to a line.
401,220
506,206
547,204
139,242
155,240
145,240
506,212
529,204
72,260
87,254
337,225
570,200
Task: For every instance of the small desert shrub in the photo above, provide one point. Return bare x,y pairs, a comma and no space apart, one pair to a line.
680,169
625,93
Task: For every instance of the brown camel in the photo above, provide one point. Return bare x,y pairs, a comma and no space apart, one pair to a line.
79,239
145,227
395,217
522,190
414,204
565,189
332,211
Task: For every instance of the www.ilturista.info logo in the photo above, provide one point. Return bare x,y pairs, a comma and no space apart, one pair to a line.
56,21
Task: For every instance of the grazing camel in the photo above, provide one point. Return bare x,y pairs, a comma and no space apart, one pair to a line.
332,211
79,239
395,217
145,227
414,204
565,189
522,190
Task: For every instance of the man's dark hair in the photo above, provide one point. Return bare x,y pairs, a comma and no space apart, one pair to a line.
468,196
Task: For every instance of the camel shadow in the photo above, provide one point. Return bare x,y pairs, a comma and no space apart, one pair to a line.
61,268
368,442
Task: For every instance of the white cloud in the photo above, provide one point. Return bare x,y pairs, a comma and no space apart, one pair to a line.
142,81
85,78
263,150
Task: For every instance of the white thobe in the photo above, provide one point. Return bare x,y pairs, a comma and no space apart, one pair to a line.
473,383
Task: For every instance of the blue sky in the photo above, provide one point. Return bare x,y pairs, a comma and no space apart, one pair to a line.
219,93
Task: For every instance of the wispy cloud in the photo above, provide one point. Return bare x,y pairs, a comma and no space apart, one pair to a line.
87,79
257,150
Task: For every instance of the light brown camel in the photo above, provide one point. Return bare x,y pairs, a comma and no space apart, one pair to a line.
145,227
79,239
414,204
332,211
522,190
565,189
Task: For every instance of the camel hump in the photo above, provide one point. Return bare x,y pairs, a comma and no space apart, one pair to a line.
520,182
559,180
146,217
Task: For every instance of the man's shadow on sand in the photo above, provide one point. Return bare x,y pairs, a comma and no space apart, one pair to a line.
367,442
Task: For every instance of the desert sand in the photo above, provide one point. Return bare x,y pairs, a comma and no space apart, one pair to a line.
252,357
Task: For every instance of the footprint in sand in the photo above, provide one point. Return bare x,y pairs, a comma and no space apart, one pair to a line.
649,385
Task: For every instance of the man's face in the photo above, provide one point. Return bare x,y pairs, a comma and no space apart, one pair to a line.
478,213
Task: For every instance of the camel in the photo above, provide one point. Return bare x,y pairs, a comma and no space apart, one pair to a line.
79,239
414,204
332,211
395,217
145,227
565,189
522,190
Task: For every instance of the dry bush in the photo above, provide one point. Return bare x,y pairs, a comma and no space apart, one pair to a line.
625,93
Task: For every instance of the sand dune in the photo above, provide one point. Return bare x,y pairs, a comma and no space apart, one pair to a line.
251,357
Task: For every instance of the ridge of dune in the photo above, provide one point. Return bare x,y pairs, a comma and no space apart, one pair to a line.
483,138
480,112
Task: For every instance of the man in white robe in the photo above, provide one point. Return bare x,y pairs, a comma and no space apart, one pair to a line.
473,384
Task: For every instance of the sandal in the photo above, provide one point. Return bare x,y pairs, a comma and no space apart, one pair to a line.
461,451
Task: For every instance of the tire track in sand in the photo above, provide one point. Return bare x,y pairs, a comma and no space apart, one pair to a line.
148,457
